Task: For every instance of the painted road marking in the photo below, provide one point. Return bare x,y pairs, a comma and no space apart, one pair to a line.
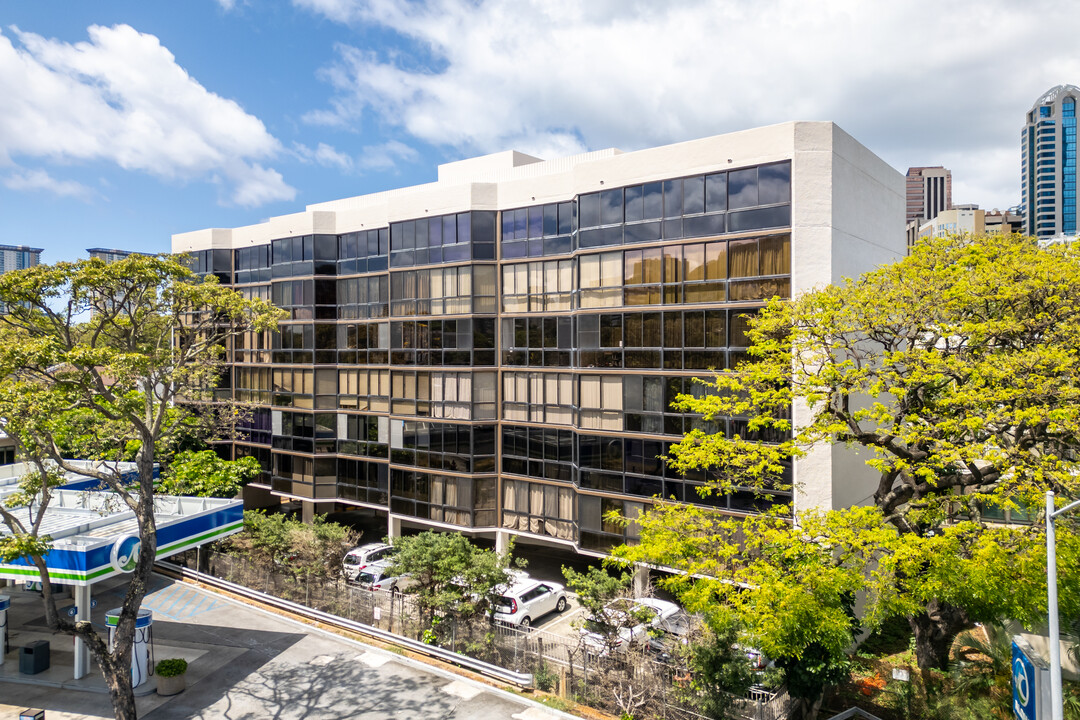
460,689
373,660
535,713
179,603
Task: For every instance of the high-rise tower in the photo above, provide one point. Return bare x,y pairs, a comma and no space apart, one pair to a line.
1048,157
929,192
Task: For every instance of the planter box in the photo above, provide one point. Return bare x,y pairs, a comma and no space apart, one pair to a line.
171,685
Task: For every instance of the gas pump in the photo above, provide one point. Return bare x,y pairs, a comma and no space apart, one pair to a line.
142,648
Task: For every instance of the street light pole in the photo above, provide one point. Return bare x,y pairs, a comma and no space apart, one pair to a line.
1057,702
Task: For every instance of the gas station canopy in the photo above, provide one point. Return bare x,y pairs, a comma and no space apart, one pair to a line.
95,535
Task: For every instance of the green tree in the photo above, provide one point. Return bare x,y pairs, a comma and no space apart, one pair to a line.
136,344
450,575
719,672
606,600
955,371
205,474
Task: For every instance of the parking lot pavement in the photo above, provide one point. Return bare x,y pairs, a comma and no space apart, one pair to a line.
249,664
562,623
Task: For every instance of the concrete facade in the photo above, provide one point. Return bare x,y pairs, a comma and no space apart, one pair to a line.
591,287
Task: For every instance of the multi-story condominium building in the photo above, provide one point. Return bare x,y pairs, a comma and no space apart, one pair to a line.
1048,159
497,351
110,256
17,257
929,192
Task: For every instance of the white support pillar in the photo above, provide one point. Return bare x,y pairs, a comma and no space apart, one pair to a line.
82,613
5,603
393,527
502,541
640,584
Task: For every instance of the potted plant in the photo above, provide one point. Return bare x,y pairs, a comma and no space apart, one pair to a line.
171,676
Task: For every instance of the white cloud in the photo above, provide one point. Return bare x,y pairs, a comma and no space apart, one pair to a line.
22,180
920,82
122,98
386,156
324,155
227,5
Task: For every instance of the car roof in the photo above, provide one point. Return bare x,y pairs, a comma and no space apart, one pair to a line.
662,607
527,584
368,548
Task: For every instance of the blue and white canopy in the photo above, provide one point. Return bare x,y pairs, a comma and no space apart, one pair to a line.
95,535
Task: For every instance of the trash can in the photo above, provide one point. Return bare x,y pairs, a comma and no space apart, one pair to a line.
34,657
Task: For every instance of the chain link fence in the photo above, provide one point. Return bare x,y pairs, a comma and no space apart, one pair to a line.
632,682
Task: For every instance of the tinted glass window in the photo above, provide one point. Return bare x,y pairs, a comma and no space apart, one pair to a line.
742,188
774,183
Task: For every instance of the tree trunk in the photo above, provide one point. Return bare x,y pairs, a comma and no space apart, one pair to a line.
811,709
118,679
935,629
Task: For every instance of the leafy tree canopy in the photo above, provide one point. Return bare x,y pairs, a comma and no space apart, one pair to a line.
450,574
205,474
135,348
957,369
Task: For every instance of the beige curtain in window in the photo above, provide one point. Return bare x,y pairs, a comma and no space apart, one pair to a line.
611,269
590,396
565,525
776,255
536,507
743,256
612,392
450,495
509,519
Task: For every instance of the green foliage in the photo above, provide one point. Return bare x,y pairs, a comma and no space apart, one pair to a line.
205,474
544,677
171,667
450,574
955,373
310,550
596,587
720,672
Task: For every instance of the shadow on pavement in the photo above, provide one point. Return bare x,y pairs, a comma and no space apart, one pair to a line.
342,688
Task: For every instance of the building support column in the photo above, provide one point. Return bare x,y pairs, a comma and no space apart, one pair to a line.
82,613
393,527
640,583
502,541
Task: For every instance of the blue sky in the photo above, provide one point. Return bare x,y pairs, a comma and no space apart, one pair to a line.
125,122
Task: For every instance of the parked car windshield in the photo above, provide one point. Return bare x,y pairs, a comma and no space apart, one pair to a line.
367,577
504,604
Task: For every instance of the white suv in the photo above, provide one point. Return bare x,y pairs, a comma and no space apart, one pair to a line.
376,577
359,558
528,600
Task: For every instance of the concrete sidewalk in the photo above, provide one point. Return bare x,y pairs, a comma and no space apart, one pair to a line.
245,663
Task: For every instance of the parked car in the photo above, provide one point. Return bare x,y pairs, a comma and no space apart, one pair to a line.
619,627
359,558
376,577
528,600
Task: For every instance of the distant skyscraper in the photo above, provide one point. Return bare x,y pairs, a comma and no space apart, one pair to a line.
17,257
110,256
1048,157
929,192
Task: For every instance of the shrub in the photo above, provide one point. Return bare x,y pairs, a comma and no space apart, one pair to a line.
171,667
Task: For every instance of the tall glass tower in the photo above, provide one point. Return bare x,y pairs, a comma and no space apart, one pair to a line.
1048,156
